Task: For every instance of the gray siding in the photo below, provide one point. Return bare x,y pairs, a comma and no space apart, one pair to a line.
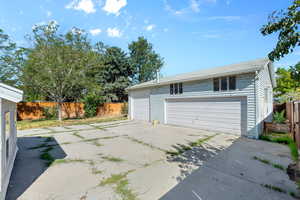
264,105
204,88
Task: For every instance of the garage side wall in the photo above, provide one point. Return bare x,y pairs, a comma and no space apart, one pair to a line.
204,88
264,94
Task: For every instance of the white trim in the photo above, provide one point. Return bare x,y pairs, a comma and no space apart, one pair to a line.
165,111
7,179
206,97
10,93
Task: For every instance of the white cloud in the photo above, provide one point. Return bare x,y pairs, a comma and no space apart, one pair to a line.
194,4
150,27
114,32
95,31
114,6
84,5
226,18
171,10
49,13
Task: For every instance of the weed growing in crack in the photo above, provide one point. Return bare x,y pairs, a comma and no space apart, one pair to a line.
121,185
267,162
112,159
77,135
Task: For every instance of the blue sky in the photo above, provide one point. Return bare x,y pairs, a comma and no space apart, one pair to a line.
189,34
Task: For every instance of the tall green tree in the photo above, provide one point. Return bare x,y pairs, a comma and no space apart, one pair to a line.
55,66
286,22
115,75
288,83
11,59
144,60
285,82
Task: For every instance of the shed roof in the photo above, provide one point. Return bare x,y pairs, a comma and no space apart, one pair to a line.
239,68
10,93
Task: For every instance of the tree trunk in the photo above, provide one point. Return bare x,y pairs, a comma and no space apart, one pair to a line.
59,108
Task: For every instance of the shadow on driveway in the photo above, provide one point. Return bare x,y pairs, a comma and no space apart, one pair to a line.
235,174
28,164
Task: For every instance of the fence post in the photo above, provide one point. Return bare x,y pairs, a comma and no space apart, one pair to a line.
296,123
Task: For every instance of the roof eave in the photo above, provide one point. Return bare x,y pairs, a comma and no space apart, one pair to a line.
254,69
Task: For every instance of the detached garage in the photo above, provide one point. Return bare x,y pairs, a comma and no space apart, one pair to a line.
233,99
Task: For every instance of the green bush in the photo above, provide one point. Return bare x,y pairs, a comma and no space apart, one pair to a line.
283,140
50,112
91,103
278,117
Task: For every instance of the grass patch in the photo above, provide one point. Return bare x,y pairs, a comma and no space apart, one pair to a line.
201,141
278,166
294,151
275,188
77,135
67,161
96,143
180,148
113,179
96,171
121,185
112,159
123,190
283,139
43,123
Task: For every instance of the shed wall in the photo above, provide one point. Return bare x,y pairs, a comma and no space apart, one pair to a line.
7,163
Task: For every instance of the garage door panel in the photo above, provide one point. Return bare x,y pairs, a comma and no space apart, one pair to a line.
216,114
140,104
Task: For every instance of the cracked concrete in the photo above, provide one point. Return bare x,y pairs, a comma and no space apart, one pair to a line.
140,146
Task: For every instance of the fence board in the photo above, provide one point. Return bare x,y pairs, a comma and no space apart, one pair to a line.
34,111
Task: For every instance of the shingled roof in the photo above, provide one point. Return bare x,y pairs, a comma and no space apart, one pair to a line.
239,68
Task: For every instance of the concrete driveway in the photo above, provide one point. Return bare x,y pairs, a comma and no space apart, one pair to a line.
247,170
117,160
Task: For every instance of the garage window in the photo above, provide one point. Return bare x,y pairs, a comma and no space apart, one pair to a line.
224,83
176,88
171,89
180,88
232,83
216,84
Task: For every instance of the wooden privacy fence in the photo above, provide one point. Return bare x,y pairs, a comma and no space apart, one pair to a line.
34,111
295,121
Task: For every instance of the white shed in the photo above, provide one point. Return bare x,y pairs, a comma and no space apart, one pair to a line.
9,97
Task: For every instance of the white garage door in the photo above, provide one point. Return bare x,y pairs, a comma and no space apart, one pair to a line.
226,115
140,105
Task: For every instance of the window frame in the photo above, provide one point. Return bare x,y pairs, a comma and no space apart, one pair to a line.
176,88
227,81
